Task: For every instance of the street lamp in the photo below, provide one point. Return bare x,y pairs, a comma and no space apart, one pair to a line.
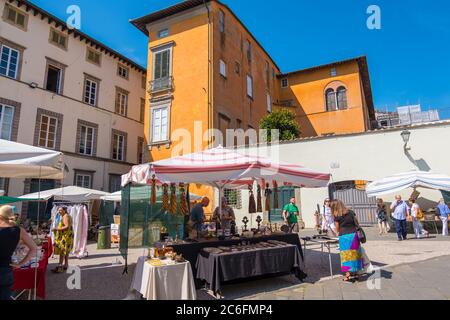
406,135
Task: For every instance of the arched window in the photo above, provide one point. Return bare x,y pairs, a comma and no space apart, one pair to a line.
341,98
330,97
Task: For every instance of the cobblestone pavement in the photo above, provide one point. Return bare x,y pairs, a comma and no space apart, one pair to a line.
426,280
102,277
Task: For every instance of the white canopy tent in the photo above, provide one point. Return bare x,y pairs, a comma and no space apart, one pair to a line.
411,179
23,161
70,194
223,168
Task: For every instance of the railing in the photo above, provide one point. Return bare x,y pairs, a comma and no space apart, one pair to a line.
161,84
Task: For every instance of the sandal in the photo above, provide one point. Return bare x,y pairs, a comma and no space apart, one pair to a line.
347,278
58,269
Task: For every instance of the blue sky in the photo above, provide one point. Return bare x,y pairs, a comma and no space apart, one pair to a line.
409,58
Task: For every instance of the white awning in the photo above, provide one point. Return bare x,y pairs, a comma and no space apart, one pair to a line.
70,194
23,161
412,179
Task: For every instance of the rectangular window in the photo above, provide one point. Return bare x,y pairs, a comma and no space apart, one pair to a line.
161,68
223,69
249,50
222,21
160,124
238,68
284,83
87,135
121,102
118,152
6,121
269,103
142,111
9,62
123,71
53,79
83,180
15,17
47,132
4,185
163,33
144,82
141,148
93,56
58,38
90,91
249,86
333,72
267,73
115,183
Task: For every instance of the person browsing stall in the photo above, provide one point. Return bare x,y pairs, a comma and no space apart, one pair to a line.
198,214
226,216
291,214
10,235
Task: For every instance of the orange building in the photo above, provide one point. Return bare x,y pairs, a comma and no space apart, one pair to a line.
331,99
207,71
205,66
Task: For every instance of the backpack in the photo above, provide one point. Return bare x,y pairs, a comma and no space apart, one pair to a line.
420,214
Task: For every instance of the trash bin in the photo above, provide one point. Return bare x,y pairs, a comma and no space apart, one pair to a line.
104,238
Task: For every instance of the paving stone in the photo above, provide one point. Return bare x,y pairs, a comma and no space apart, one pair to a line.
351,295
283,293
314,292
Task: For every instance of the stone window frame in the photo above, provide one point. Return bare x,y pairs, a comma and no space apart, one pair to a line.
5,13
81,123
88,49
16,117
97,94
59,65
163,104
89,173
60,33
125,144
121,65
119,90
110,176
334,86
59,117
18,47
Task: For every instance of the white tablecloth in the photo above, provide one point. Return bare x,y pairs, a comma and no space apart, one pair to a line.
170,282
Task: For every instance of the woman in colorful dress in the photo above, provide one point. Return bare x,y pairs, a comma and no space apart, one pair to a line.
352,262
63,240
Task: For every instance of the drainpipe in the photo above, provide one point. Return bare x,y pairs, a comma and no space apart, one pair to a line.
210,115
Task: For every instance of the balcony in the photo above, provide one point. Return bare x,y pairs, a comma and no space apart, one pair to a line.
160,85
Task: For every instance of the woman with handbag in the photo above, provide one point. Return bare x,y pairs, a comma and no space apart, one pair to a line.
351,236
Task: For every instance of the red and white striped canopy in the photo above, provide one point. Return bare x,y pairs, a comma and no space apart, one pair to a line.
221,167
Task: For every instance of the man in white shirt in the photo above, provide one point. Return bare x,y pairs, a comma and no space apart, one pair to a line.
400,212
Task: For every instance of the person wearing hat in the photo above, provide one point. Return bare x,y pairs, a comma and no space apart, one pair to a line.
10,235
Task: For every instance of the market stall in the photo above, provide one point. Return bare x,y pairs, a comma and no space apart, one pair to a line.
223,169
79,203
24,161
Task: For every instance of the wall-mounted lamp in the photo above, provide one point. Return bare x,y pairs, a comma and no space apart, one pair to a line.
406,135
33,85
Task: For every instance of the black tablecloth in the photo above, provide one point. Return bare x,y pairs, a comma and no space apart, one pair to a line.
190,251
219,268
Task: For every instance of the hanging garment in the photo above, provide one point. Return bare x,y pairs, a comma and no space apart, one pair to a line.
55,222
74,213
84,225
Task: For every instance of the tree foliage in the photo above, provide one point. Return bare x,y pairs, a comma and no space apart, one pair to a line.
284,121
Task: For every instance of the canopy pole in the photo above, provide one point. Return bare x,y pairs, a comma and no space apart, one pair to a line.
37,234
